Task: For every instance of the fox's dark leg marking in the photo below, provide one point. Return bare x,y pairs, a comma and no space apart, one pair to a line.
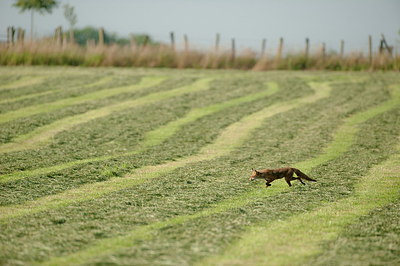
300,180
267,184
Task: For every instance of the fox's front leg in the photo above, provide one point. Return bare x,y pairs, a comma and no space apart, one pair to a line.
267,184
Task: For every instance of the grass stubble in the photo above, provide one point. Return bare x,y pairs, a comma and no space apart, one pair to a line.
188,193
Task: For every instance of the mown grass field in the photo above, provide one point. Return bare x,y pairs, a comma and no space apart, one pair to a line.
151,167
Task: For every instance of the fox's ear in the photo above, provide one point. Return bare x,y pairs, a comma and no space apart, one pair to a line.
252,169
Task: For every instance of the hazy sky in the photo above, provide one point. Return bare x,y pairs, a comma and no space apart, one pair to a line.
248,21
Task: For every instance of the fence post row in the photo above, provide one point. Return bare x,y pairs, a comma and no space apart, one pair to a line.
18,35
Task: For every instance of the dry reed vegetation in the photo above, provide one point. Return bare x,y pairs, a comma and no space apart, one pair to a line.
163,56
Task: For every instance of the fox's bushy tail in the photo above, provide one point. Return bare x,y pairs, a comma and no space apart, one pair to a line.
303,175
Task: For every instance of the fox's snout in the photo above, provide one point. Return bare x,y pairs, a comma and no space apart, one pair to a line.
253,174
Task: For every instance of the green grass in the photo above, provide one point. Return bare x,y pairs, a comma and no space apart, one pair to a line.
24,81
148,141
49,107
256,238
305,232
98,82
166,181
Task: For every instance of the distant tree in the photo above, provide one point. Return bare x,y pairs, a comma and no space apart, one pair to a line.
40,6
70,16
91,33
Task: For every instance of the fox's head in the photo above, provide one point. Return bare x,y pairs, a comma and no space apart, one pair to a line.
254,174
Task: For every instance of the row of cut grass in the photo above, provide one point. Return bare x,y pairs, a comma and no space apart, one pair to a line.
372,239
49,107
279,243
249,122
24,81
25,125
144,233
153,137
100,81
58,181
194,239
109,127
95,190
40,135
258,239
164,182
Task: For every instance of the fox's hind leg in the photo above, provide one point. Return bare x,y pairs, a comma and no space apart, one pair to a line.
298,178
288,179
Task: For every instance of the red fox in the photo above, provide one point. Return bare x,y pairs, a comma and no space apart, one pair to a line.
271,174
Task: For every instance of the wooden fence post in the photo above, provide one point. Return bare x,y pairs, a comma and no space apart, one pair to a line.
146,40
101,36
384,45
57,35
307,50
263,47
370,49
233,51
172,36
279,52
21,35
10,35
186,40
323,51
217,38
341,48
64,40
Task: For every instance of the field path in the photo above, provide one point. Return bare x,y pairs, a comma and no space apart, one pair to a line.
108,246
39,136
